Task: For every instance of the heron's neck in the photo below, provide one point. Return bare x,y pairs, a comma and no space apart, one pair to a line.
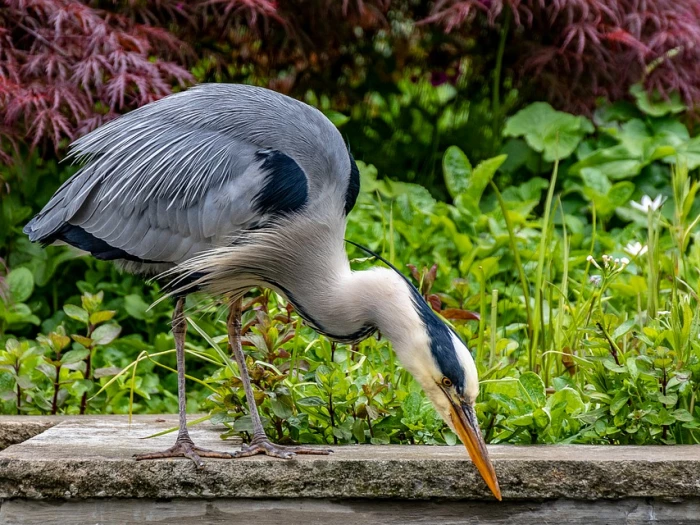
377,298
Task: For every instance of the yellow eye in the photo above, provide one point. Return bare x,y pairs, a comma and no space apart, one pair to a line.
446,382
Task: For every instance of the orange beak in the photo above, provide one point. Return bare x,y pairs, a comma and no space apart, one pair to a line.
467,427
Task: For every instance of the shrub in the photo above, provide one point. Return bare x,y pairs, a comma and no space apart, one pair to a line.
579,50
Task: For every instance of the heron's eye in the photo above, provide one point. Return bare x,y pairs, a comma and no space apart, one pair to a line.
446,381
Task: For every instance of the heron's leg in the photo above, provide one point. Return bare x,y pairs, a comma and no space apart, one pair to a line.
184,446
260,444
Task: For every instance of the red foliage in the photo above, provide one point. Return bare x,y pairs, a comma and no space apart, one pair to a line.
578,50
66,67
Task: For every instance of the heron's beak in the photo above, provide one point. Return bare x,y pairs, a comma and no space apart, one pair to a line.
467,427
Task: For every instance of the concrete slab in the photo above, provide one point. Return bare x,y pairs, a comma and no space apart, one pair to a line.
92,458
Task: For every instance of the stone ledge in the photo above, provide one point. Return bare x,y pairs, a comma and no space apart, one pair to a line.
633,511
90,457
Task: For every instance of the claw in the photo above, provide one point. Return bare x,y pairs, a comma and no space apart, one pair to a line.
185,449
264,446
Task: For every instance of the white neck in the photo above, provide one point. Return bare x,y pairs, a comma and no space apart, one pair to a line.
380,298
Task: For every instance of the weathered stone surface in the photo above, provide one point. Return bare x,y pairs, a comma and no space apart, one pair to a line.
348,512
15,429
92,458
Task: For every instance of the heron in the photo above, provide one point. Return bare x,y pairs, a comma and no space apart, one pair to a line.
232,187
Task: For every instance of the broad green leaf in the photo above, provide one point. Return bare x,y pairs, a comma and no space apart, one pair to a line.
656,106
77,313
136,307
106,333
482,175
81,386
668,399
533,386
74,356
281,410
596,180
553,133
541,418
682,415
621,193
20,283
623,329
522,421
619,401
457,171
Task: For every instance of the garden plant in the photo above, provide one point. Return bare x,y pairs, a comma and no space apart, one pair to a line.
557,230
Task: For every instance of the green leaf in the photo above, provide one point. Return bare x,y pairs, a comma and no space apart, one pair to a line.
541,418
136,307
281,410
101,317
614,367
20,283
623,329
533,386
482,175
81,386
74,356
337,118
682,415
457,169
553,133
312,401
106,333
85,341
412,405
668,399
659,106
77,313
522,421
620,194
595,179
618,402
631,365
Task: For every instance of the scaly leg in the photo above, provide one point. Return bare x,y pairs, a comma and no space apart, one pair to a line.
260,443
184,446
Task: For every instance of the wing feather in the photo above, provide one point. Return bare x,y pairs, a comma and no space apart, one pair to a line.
185,174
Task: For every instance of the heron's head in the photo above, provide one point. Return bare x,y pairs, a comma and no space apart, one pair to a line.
443,365
452,384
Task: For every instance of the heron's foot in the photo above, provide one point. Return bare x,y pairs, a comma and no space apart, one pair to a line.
185,448
262,445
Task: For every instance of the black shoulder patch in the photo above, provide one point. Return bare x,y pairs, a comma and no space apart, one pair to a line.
353,186
76,236
285,189
441,345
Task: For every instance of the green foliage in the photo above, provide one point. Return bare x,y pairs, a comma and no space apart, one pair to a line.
553,133
589,326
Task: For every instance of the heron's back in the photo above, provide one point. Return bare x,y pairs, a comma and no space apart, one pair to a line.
192,171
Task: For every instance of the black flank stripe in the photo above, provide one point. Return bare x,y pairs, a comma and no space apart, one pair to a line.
285,189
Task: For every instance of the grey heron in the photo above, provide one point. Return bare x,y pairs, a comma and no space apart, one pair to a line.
236,187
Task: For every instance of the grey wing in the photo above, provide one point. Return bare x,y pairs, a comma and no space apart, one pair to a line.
157,187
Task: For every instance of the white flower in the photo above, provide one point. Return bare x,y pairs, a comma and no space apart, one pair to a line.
591,260
625,261
647,204
635,249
